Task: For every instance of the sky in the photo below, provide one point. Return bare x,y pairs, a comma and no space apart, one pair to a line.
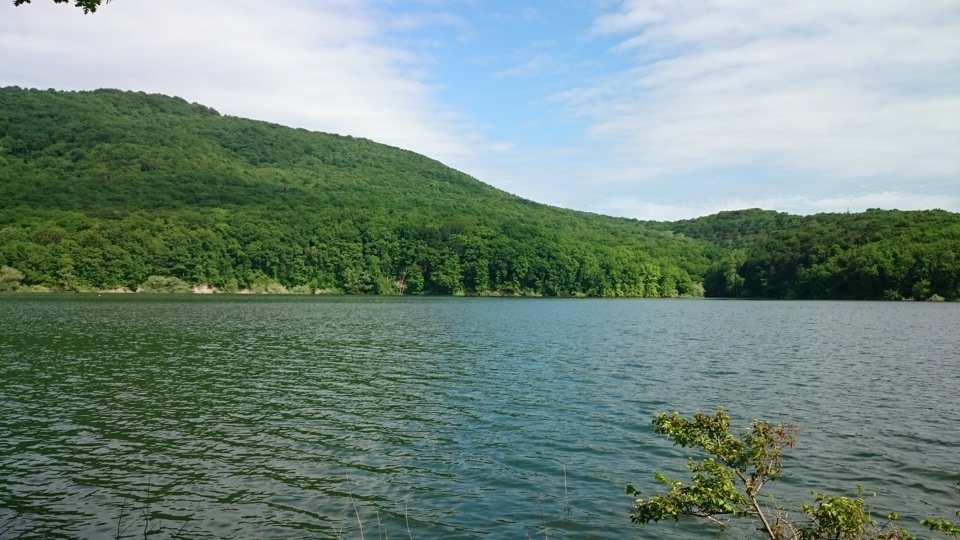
650,109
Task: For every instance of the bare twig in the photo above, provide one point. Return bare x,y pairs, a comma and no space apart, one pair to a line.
380,529
357,512
751,491
545,530
180,530
123,505
407,519
146,511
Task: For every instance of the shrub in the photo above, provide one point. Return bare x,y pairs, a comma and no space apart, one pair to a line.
164,284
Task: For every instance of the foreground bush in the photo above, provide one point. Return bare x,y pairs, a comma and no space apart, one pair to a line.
726,486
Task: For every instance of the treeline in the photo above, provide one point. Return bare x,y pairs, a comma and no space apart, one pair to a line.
104,189
874,255
108,189
231,249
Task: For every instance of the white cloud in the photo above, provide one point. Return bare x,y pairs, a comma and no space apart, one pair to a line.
795,106
646,210
839,92
322,65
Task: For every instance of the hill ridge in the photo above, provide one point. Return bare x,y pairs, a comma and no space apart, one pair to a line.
103,189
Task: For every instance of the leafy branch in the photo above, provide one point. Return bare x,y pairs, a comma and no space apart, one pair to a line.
89,6
727,485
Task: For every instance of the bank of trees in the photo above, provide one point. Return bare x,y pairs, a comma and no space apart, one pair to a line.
104,189
73,250
874,255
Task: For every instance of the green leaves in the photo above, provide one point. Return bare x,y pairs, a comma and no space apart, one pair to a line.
711,493
942,525
727,483
9,278
222,200
760,447
836,517
129,185
872,255
89,6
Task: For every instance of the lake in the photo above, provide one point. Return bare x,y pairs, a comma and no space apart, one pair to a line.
292,417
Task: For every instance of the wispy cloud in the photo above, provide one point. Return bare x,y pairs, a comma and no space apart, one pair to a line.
647,108
834,91
421,20
532,66
684,209
323,65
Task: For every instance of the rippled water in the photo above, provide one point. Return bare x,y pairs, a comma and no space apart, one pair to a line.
289,417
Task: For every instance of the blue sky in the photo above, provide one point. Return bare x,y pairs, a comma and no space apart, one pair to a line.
654,109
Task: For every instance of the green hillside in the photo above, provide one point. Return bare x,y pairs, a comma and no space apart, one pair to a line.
108,189
877,254
104,189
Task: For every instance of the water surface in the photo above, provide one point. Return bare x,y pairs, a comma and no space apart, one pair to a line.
290,417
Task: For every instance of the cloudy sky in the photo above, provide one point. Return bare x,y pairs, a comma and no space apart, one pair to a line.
655,109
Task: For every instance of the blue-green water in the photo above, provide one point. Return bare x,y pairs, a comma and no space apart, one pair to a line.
290,417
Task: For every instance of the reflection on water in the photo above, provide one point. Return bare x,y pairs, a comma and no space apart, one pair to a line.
288,417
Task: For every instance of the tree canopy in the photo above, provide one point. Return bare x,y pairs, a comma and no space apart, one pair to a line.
873,255
105,189
88,6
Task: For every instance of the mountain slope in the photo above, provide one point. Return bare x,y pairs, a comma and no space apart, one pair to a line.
104,189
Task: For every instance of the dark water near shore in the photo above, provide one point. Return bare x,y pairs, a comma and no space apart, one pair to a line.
289,417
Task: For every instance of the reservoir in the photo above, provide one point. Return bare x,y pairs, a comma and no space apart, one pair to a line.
196,416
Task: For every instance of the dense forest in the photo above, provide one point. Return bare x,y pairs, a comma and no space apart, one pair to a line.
109,189
877,254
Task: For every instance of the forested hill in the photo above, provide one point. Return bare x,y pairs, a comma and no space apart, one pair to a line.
877,254
105,189
108,189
